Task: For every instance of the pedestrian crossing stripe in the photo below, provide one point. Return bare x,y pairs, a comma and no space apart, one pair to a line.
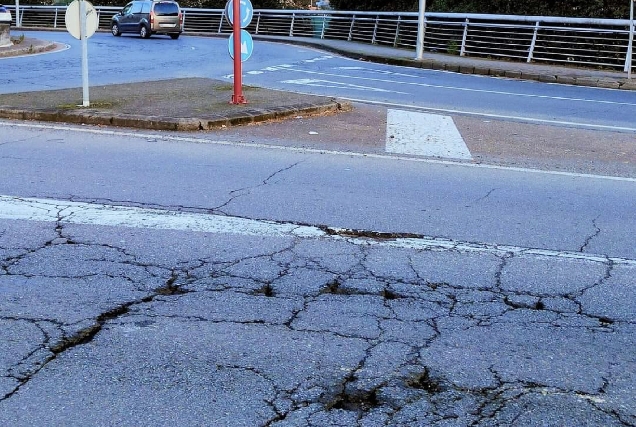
424,134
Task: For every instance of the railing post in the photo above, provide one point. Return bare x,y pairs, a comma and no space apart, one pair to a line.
628,56
183,23
55,19
291,27
221,22
397,31
534,42
375,29
258,23
353,19
324,26
462,51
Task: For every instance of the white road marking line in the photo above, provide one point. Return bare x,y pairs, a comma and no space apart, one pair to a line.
65,212
338,85
423,134
173,138
466,89
47,210
492,116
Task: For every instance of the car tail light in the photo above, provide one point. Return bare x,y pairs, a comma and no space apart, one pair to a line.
152,18
180,19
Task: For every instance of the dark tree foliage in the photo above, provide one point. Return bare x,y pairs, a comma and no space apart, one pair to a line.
571,8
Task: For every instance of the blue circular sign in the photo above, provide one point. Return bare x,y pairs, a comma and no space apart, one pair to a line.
247,45
245,9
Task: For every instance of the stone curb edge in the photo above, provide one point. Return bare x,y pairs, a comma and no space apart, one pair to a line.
94,117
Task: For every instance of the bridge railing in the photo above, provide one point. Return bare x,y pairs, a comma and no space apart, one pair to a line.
597,43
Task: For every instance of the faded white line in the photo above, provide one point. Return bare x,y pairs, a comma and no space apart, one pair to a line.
337,85
47,210
172,138
65,212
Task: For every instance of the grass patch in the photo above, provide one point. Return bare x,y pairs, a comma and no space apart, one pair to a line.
17,40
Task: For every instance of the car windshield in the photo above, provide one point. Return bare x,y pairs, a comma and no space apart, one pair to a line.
167,8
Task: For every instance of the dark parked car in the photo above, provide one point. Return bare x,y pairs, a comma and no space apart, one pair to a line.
147,17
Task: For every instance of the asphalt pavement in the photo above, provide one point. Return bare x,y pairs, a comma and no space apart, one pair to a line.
212,107
141,291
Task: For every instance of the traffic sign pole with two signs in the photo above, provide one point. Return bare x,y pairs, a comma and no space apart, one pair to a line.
240,41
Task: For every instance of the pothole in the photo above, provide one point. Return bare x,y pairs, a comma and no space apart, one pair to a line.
266,290
335,287
423,381
359,401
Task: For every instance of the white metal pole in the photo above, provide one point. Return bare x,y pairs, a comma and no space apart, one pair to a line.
84,40
421,29
18,22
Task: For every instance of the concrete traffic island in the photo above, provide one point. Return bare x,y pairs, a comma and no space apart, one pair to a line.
21,45
188,104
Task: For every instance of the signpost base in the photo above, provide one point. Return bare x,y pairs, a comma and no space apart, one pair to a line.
238,99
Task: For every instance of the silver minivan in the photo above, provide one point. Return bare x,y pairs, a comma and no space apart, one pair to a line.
148,17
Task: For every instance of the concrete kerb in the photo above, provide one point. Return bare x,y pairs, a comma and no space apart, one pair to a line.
95,117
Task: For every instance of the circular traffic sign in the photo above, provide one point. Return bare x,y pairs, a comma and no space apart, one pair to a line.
73,19
247,45
245,9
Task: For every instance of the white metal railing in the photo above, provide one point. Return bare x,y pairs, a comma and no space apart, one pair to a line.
598,43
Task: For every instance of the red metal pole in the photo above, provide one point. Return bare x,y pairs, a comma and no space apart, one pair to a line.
237,97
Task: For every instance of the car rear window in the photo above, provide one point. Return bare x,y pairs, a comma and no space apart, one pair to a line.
170,9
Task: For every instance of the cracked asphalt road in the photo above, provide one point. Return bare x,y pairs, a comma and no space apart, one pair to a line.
156,281
126,325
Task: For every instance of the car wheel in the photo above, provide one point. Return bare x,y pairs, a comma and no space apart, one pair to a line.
174,36
115,30
144,33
